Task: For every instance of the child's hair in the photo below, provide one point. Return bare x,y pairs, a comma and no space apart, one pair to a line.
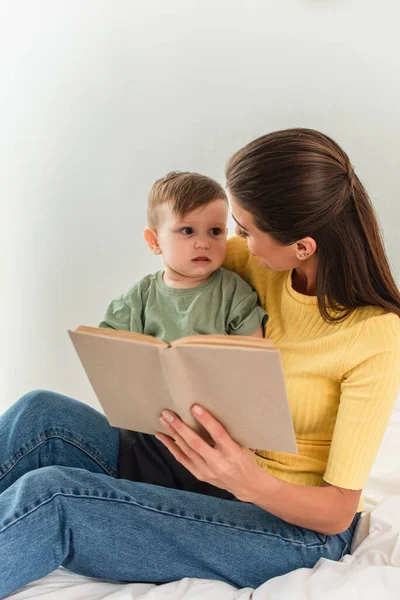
186,191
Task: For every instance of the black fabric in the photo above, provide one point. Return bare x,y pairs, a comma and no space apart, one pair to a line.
145,459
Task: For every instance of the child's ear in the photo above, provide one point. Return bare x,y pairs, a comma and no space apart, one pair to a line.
150,235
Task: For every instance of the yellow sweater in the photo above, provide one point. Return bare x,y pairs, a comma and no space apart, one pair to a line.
342,379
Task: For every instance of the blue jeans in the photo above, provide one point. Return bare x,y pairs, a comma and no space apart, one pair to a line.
61,503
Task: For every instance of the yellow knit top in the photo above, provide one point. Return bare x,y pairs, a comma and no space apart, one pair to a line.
342,379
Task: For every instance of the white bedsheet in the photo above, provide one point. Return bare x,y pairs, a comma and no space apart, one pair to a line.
371,572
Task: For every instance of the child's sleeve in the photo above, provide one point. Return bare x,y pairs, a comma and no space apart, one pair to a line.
125,312
244,312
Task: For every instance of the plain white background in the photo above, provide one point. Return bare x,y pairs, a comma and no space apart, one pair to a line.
99,98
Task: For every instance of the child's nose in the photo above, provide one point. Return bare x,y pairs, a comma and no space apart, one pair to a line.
202,242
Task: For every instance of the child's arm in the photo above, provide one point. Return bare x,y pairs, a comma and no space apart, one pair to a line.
258,333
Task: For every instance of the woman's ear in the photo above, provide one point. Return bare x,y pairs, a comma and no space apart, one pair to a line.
305,248
150,235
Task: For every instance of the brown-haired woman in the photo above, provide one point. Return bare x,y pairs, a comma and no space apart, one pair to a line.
312,249
313,252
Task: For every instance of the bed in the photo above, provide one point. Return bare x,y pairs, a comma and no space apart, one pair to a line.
370,572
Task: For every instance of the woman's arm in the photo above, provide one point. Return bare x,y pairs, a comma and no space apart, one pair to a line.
327,509
368,392
227,465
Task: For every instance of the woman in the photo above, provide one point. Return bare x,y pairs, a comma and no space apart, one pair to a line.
313,252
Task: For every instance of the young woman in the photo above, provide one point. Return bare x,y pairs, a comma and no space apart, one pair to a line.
313,252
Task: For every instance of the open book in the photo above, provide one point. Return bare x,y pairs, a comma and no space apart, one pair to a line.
238,379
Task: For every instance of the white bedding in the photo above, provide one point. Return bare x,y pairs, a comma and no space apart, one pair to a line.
371,572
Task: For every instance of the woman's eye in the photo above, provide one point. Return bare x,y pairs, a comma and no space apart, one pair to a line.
240,232
187,230
216,231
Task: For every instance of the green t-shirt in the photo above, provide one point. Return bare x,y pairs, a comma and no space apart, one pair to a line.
224,304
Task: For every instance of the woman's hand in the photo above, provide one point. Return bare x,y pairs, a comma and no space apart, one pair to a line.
226,465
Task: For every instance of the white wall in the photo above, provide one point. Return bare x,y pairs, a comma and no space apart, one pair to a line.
99,98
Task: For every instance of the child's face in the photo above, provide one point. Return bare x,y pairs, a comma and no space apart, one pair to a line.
194,245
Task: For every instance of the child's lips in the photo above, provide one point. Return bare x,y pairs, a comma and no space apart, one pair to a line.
201,259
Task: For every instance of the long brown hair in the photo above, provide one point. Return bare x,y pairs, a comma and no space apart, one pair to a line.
298,183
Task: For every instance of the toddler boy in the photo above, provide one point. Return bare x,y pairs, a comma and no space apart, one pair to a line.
193,294
187,216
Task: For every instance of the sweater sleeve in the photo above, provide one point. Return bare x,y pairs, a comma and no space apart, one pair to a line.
369,389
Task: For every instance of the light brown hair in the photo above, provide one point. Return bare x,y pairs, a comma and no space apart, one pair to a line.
186,191
298,183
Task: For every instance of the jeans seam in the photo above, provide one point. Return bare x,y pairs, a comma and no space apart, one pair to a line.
165,512
5,468
344,551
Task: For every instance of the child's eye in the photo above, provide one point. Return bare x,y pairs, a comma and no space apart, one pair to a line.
240,232
216,231
187,230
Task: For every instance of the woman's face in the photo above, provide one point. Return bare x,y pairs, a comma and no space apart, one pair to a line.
271,255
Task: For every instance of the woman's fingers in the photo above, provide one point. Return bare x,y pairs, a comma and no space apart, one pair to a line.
214,428
195,448
179,440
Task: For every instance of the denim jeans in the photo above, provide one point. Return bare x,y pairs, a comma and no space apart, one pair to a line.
61,503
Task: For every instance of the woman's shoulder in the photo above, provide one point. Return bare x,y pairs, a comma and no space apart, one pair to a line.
376,321
378,333
237,255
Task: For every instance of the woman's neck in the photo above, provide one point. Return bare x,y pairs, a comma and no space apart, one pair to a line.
304,278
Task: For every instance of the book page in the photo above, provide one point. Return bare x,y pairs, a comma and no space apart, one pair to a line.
180,384
127,379
242,387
